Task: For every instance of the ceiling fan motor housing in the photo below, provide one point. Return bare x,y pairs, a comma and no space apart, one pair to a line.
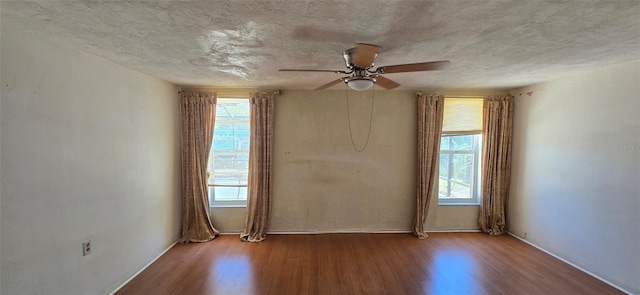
349,56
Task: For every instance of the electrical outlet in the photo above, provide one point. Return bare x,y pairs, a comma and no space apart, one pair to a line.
86,248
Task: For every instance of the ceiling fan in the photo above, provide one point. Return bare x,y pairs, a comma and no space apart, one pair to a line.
362,76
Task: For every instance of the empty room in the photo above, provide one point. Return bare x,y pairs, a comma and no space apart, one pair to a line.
319,147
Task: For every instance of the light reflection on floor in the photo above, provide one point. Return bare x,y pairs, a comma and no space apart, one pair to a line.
452,272
233,271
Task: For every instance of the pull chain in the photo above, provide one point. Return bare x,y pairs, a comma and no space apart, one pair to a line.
370,119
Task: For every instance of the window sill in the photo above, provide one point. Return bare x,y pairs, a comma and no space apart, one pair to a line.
458,204
228,206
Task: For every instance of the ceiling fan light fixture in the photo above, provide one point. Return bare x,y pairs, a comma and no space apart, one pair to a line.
360,84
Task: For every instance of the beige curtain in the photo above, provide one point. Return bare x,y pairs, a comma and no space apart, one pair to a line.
430,111
198,112
496,163
260,168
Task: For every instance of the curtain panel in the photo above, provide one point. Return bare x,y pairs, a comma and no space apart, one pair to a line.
430,112
198,112
260,182
496,163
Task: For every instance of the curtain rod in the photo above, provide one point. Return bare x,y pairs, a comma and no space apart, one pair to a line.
276,92
460,96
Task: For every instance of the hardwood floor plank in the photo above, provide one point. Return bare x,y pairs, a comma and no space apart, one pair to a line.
446,263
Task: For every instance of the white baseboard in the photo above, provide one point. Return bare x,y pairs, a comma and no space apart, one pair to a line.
360,232
570,263
454,231
327,232
339,232
143,268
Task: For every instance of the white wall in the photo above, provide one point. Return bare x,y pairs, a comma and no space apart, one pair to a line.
321,184
90,151
0,177
576,171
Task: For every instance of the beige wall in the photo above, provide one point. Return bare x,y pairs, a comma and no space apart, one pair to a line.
576,179
90,151
321,184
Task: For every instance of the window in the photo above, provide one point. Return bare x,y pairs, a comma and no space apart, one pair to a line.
459,170
228,165
460,151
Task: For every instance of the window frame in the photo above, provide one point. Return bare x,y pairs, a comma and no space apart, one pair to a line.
211,186
476,186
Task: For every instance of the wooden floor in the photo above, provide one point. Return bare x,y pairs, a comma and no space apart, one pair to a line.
446,263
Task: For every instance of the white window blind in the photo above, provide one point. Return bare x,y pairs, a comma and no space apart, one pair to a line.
462,115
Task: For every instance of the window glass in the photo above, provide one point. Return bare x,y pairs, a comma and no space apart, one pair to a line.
229,159
459,169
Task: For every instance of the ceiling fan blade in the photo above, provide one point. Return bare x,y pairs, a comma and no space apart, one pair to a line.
417,67
309,70
365,55
386,83
325,86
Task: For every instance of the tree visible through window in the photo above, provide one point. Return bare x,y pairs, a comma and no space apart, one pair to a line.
229,159
459,175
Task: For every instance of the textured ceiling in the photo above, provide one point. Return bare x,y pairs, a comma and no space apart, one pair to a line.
242,43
